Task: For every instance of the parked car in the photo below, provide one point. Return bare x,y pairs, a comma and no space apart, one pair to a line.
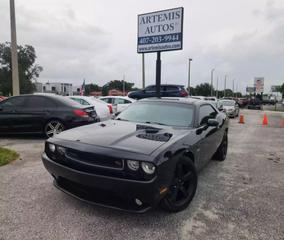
242,102
48,114
119,103
148,155
255,104
167,90
231,108
103,110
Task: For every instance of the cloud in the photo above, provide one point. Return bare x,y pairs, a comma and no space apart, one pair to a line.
97,40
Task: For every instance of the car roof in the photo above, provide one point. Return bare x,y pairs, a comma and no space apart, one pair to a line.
124,97
170,85
191,101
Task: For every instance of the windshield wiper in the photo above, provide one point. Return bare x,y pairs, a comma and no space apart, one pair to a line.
156,123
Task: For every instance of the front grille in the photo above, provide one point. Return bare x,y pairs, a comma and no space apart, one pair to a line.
94,160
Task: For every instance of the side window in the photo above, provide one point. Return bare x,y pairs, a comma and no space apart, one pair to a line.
13,102
127,101
171,88
35,102
84,102
119,101
206,112
150,88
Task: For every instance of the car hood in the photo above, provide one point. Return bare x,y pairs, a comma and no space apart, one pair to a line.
122,135
227,108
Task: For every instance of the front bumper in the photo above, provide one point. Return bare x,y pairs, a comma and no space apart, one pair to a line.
113,192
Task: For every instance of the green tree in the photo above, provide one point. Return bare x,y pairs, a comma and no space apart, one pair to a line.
203,89
28,69
117,84
282,90
92,88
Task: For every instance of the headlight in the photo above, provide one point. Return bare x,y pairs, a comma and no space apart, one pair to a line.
133,165
61,150
148,168
51,147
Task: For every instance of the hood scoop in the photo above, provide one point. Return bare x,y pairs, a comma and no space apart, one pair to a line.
147,128
152,133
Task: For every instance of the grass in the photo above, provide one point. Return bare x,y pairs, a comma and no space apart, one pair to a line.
7,155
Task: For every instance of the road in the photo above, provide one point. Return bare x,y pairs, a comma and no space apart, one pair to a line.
240,198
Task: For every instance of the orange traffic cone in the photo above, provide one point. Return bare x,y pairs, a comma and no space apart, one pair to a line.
242,119
265,120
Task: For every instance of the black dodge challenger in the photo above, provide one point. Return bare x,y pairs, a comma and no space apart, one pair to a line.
148,155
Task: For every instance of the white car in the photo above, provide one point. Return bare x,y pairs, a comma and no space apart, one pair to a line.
104,112
119,103
231,108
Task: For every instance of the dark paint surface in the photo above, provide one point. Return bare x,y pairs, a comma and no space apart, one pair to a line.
122,140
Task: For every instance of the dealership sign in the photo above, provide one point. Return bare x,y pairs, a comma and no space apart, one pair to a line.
276,88
160,31
259,84
250,89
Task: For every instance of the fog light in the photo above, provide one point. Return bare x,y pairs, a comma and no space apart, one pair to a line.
138,202
61,150
133,165
148,168
51,147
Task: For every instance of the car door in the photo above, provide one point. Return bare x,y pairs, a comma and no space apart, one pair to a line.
9,117
209,134
149,91
34,114
170,91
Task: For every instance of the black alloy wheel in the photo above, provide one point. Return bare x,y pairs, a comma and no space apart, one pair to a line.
53,127
221,152
183,187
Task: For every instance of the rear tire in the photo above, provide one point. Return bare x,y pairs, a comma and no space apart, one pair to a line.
221,152
53,127
183,187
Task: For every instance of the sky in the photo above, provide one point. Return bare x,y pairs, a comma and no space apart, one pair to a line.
97,40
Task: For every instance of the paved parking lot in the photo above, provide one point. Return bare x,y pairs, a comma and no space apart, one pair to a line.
240,198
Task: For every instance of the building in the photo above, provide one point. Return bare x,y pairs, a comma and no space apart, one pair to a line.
64,89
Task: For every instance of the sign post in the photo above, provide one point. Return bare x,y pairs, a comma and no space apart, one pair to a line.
160,31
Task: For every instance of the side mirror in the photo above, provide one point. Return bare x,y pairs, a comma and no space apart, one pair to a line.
212,122
143,90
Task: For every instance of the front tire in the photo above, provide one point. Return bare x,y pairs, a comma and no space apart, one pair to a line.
183,187
221,152
53,127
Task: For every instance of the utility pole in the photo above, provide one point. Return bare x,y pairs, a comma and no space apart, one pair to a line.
212,71
143,71
217,87
225,82
188,85
233,87
14,55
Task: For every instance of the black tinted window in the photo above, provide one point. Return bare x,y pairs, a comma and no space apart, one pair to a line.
13,102
206,112
39,102
171,88
150,88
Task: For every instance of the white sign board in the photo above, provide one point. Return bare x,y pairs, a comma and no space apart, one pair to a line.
259,84
160,31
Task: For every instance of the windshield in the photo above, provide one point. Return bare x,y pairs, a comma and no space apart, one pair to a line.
171,114
228,103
